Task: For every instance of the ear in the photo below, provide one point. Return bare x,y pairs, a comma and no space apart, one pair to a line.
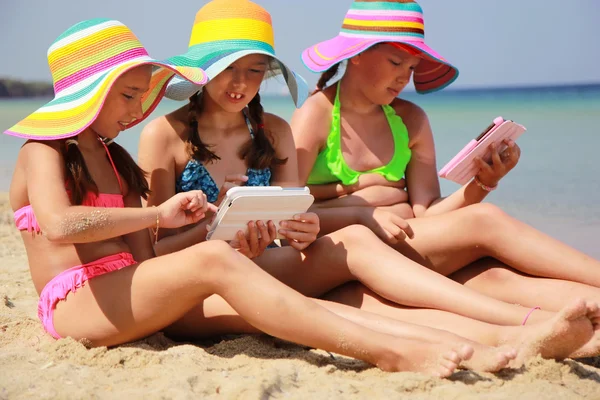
355,60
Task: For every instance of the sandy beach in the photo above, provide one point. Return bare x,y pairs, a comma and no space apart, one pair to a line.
33,365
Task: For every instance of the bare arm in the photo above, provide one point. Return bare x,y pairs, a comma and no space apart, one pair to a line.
139,242
285,175
421,173
62,222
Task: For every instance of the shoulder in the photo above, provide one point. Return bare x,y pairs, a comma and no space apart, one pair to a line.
166,129
413,116
312,122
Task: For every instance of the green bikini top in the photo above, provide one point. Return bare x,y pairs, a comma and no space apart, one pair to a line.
330,165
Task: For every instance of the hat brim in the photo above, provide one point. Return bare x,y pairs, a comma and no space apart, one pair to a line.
432,74
181,90
74,109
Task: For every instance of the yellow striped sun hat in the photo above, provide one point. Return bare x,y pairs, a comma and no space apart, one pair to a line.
225,31
85,61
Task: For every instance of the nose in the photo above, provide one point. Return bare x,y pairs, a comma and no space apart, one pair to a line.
239,79
137,111
404,76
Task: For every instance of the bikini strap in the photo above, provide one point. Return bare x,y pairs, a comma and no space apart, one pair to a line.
336,104
112,163
249,123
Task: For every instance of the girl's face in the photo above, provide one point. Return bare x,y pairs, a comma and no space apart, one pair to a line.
123,103
383,72
237,85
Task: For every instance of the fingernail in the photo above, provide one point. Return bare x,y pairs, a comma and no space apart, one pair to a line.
297,218
283,224
260,223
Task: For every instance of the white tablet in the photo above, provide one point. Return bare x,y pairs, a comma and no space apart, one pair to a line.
262,203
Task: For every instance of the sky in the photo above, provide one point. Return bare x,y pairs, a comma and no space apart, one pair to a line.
493,43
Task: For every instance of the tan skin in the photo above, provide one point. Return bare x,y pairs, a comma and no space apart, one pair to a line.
434,238
164,155
125,305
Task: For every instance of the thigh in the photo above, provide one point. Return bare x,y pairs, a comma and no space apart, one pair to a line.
312,272
212,317
135,301
447,242
495,279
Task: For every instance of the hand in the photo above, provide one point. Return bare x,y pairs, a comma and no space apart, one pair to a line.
502,163
389,227
373,179
301,231
231,181
184,209
251,246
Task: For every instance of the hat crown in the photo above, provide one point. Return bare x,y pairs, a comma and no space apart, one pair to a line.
373,19
233,20
90,48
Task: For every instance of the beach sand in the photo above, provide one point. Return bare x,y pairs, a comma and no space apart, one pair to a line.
33,365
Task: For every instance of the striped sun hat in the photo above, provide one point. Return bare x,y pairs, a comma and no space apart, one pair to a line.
225,31
370,22
85,61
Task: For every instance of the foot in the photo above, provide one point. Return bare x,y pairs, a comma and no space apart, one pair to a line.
592,347
489,359
556,338
434,359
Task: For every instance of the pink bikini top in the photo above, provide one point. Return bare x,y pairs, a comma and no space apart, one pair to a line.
25,218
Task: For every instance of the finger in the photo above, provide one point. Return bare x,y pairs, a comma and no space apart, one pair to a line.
483,166
307,217
300,226
496,160
405,226
236,178
253,237
264,240
272,231
298,236
211,207
298,245
243,243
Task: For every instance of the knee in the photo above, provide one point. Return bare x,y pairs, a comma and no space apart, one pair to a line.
215,258
485,218
358,235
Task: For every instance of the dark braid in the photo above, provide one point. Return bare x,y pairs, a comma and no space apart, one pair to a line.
80,182
78,178
326,77
195,147
259,153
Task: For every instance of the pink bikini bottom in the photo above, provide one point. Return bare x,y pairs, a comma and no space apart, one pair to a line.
72,279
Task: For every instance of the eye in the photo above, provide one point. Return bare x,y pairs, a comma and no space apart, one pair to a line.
128,97
256,71
395,63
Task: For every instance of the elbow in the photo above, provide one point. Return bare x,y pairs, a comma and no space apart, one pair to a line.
56,229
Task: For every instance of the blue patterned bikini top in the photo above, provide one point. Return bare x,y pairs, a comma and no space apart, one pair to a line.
196,177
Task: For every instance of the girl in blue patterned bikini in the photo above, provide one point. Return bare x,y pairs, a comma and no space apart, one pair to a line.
222,138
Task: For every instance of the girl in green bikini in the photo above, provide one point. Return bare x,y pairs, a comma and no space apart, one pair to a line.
358,124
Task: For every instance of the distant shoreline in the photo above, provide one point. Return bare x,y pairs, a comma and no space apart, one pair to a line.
15,89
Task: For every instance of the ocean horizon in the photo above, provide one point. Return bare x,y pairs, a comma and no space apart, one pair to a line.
554,187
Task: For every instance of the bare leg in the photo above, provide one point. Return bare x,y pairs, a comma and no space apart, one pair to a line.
355,253
531,339
494,279
216,316
136,301
448,242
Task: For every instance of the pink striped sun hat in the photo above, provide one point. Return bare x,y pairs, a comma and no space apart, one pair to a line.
85,61
399,22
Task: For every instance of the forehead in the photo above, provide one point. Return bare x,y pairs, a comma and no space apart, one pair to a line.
390,50
138,78
253,59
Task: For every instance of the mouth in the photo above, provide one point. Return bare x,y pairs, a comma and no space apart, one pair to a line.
393,91
123,125
234,96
